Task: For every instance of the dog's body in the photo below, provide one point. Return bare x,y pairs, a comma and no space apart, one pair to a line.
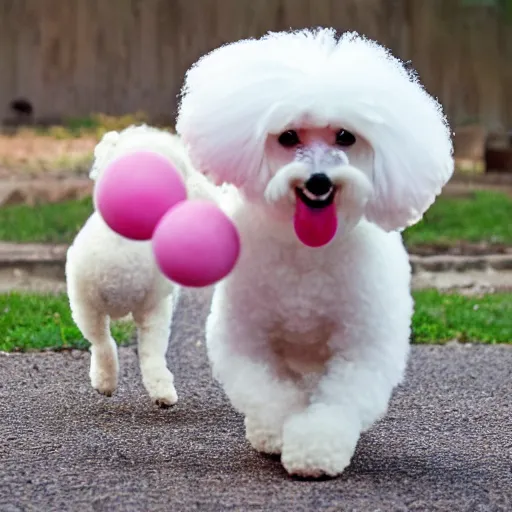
109,277
309,343
313,340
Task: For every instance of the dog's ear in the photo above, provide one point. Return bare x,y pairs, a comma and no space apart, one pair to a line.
413,150
102,153
227,103
410,168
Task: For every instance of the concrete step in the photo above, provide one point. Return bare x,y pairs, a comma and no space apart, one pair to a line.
40,267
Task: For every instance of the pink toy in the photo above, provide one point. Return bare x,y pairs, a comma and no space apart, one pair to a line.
196,244
315,226
135,192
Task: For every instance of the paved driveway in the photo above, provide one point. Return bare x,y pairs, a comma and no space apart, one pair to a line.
445,445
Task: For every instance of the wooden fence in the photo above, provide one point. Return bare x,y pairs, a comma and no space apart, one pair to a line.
76,57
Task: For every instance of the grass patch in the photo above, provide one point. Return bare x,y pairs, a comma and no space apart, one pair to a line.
78,163
66,147
94,125
441,317
36,322
46,223
27,153
484,217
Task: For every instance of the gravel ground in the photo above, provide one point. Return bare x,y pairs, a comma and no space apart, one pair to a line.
446,443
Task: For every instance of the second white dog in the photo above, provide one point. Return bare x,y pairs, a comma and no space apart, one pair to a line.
109,276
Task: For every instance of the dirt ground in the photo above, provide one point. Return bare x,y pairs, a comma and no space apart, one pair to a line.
446,444
27,155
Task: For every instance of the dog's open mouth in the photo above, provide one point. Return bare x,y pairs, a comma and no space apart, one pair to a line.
315,201
315,219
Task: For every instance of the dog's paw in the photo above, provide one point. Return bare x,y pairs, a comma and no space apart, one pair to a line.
104,382
318,443
264,438
160,387
104,373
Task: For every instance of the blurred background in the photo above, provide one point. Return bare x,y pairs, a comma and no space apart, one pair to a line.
78,63
73,58
70,70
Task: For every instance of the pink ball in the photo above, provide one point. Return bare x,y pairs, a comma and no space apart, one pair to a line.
196,244
135,191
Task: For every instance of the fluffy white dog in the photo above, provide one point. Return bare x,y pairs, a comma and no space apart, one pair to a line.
309,343
109,276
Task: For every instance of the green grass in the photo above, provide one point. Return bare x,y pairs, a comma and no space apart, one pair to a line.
95,125
484,217
442,317
47,223
36,322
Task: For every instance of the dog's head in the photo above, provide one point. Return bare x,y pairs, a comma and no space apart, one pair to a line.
307,117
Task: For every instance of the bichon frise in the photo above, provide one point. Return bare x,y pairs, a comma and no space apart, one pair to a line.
309,343
109,276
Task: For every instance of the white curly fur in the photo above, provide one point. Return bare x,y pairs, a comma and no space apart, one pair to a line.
109,276
310,343
309,77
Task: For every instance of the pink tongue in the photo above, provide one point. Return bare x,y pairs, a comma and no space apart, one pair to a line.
315,226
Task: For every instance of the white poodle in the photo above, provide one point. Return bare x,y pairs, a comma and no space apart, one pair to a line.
309,343
109,276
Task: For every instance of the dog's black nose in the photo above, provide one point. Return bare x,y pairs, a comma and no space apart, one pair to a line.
318,184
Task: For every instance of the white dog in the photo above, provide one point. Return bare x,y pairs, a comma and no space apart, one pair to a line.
309,343
109,276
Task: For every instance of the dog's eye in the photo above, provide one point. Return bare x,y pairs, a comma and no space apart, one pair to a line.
289,139
345,138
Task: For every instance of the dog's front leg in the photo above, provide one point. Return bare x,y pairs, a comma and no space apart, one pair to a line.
265,399
251,378
353,393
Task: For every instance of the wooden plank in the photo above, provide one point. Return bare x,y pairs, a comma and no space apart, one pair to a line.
120,56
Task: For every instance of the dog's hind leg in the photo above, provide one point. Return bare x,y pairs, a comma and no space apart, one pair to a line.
95,327
154,331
